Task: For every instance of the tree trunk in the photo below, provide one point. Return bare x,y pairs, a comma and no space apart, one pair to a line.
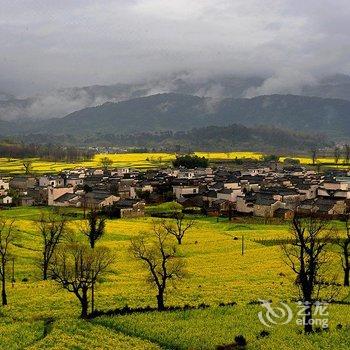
92,243
84,305
179,239
160,301
346,265
347,277
308,319
3,291
45,271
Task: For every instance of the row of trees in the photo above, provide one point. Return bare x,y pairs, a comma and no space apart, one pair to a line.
66,259
339,154
215,138
48,152
76,264
342,153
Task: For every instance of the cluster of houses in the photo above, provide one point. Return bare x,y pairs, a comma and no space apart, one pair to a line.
262,191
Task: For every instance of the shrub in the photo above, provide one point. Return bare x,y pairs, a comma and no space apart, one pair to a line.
291,161
263,334
240,343
240,340
190,162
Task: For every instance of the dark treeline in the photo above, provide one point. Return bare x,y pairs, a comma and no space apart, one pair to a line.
190,162
216,138
50,152
211,138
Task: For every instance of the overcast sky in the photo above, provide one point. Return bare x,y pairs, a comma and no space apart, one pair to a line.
57,43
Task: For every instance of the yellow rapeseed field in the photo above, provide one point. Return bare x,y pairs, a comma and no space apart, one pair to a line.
40,315
134,160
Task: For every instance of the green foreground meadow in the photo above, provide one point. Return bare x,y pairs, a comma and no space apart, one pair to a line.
41,315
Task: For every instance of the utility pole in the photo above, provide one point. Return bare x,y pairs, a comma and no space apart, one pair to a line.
242,244
13,272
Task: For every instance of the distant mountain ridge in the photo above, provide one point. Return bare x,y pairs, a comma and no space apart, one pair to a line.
183,112
58,103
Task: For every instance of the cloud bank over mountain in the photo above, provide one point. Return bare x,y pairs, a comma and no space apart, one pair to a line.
48,45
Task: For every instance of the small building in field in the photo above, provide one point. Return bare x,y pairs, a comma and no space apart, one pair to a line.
266,206
74,181
180,191
23,183
54,193
26,201
6,200
100,199
51,180
4,187
283,213
130,208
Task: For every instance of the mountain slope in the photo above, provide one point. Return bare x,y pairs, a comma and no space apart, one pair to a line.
157,112
183,112
7,128
58,103
331,116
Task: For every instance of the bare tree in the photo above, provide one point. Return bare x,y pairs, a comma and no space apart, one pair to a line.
337,154
344,245
52,229
177,226
76,267
94,227
347,153
6,238
314,155
306,256
27,164
159,255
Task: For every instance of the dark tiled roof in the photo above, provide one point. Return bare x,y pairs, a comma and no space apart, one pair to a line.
65,197
261,200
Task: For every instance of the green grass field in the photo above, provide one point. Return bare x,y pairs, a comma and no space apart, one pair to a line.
40,315
134,160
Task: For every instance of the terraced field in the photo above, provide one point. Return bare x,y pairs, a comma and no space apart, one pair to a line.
40,315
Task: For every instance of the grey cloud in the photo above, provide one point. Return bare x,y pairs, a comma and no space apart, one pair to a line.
49,44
